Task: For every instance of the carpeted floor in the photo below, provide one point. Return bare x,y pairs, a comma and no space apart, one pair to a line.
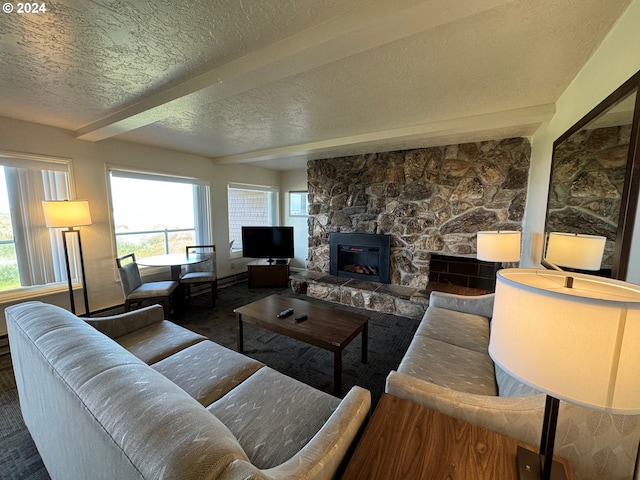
389,337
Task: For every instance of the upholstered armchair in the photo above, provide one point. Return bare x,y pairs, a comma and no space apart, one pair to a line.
203,272
136,291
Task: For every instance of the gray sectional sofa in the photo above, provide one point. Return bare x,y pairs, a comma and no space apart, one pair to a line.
447,368
137,397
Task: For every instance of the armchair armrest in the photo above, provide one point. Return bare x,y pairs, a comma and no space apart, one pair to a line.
478,305
117,325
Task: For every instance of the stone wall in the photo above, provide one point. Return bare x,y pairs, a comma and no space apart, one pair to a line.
430,200
588,178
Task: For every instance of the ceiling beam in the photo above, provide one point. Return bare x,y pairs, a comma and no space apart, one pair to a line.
468,126
325,43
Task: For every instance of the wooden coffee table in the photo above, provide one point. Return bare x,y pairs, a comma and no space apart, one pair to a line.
328,328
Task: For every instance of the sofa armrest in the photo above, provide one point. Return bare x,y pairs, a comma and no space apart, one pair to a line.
504,415
321,458
478,304
117,325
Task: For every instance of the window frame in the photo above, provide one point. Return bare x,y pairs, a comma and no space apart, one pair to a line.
304,193
275,207
45,163
202,201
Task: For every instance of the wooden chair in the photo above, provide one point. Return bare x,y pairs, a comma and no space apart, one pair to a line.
136,292
203,272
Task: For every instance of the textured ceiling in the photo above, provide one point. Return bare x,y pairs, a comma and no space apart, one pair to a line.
281,81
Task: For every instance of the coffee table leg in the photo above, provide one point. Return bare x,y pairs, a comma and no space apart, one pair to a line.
337,373
239,333
365,342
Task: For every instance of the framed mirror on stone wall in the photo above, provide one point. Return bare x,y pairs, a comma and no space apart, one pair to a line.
595,177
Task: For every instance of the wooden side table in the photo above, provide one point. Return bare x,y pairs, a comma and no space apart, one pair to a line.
406,440
264,274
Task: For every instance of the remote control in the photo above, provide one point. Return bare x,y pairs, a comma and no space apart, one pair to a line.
301,318
285,313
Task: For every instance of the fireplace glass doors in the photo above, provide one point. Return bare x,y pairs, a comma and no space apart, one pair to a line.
364,256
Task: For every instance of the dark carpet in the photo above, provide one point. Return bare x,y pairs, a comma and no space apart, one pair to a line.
389,337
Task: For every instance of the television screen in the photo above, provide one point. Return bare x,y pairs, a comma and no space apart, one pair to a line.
267,242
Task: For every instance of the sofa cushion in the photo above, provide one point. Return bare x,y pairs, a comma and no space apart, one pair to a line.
465,330
273,416
449,366
207,371
158,340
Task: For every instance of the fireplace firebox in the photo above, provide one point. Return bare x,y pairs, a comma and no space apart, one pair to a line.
364,256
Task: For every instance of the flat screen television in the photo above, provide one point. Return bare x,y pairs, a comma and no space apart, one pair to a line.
267,242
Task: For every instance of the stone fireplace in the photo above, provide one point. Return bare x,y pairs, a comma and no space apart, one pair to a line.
427,201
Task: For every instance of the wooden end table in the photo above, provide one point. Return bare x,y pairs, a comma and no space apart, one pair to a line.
329,328
261,273
406,440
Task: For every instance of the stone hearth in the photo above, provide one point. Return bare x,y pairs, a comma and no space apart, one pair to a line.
429,200
395,299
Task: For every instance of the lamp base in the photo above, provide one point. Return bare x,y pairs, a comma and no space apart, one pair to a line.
530,466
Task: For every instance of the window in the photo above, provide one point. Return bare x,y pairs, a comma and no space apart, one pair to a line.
30,253
157,214
250,205
298,204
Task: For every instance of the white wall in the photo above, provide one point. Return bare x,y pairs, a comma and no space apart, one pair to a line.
295,181
615,61
89,164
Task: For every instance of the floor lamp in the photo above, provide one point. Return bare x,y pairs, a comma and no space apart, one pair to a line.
576,341
69,214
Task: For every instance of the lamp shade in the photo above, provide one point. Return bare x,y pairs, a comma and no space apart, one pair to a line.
66,213
583,252
499,246
576,344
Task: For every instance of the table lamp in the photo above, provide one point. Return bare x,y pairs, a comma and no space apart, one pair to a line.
572,250
499,246
69,214
575,343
